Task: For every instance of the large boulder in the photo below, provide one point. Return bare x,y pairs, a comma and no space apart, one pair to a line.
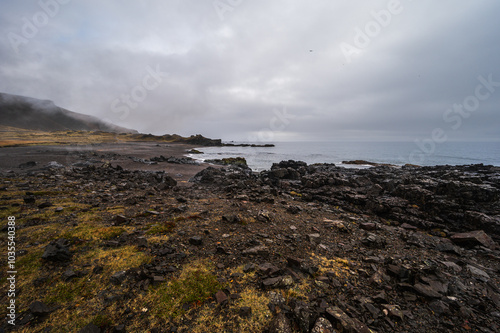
207,176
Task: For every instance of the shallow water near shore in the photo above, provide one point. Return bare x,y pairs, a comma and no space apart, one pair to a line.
397,153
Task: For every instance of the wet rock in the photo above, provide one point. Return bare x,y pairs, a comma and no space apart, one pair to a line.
336,225
314,238
264,216
473,238
68,275
245,312
57,251
278,282
448,248
118,277
29,200
53,165
402,273
196,240
158,279
221,297
373,241
344,323
272,282
476,271
322,325
452,265
119,220
90,328
168,182
141,242
294,209
231,219
249,268
439,307
280,324
426,290
381,297
276,300
119,329
45,205
268,269
236,161
207,176
394,311
38,308
257,250
294,262
243,197
98,269
408,227
374,311
27,165
301,316
295,165
221,250
368,226
379,277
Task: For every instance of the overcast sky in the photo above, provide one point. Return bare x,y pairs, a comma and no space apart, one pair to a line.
262,70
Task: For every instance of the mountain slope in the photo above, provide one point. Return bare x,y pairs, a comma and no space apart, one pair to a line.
43,115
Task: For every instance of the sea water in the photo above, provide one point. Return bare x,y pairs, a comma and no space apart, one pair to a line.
397,153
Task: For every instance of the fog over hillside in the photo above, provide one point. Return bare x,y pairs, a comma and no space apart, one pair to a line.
35,114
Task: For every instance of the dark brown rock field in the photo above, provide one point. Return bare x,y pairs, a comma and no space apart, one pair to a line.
105,248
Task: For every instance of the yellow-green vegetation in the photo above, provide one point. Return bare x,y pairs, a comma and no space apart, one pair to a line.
92,232
12,137
161,228
30,263
158,239
261,315
247,277
340,268
42,233
115,259
15,137
81,298
195,285
211,319
116,210
78,289
28,267
8,211
299,290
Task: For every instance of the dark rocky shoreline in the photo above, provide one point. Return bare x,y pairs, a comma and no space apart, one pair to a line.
383,249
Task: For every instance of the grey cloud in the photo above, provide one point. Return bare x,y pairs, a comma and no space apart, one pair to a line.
226,77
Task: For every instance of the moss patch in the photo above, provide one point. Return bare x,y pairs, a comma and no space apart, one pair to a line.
194,286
